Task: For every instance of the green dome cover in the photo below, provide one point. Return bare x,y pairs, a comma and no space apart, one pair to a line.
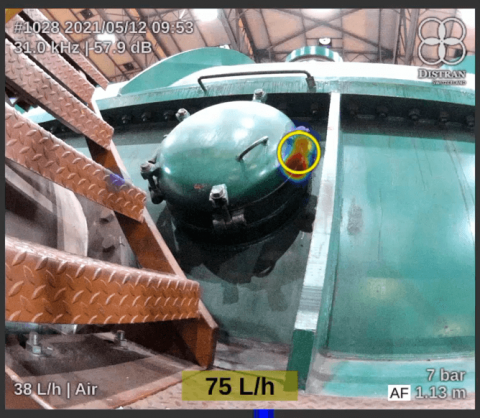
201,153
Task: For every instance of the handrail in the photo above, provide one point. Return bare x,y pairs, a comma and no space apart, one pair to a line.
310,79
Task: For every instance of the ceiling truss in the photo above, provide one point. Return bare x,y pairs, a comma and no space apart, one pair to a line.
392,35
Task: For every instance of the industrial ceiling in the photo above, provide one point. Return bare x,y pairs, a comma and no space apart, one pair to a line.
266,35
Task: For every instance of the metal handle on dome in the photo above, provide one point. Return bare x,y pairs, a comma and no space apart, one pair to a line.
310,80
262,140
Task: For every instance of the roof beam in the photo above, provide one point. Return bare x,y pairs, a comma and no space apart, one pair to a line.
347,51
268,34
248,32
163,13
171,36
226,25
451,28
412,32
304,31
397,36
317,24
239,39
104,16
322,22
404,36
52,18
379,35
159,42
197,27
148,36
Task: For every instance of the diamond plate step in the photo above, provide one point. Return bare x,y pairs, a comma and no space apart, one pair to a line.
38,150
152,252
52,61
79,59
44,285
30,80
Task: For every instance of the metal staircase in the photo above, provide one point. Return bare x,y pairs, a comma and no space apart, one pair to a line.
45,285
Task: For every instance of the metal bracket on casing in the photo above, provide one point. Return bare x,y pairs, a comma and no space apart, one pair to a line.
223,220
259,95
182,114
33,346
148,171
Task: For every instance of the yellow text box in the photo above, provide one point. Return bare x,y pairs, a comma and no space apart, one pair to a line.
241,385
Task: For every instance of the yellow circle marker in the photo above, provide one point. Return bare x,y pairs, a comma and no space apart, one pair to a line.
279,152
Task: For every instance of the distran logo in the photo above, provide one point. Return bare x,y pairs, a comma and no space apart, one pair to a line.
441,41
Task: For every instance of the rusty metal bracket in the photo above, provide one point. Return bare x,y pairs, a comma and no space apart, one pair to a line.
47,285
52,62
30,80
79,59
38,150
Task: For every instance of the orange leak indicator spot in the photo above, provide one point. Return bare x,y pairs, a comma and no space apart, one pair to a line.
297,160
296,163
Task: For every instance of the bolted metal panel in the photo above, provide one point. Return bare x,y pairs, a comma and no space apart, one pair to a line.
29,79
52,61
44,285
36,149
79,59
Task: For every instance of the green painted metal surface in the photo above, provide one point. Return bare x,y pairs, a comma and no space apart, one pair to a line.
354,378
352,84
405,283
468,64
254,292
17,107
313,51
201,153
315,301
171,69
331,261
251,293
301,354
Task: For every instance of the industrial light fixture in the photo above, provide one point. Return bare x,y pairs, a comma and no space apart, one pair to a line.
86,13
106,37
325,42
206,15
